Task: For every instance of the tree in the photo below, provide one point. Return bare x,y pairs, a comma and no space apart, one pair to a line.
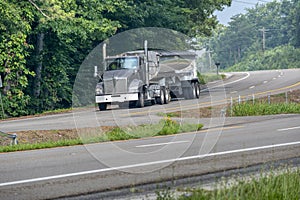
295,18
14,28
186,16
43,42
272,24
63,34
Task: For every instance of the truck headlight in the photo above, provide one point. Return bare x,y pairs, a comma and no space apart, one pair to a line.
99,89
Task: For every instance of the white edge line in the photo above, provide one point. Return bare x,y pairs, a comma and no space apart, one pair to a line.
161,144
248,74
145,164
287,129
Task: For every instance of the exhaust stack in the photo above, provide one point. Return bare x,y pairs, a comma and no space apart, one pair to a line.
146,62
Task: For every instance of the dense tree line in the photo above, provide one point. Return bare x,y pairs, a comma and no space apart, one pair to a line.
266,37
43,42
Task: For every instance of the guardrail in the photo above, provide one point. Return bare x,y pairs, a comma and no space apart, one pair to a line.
13,137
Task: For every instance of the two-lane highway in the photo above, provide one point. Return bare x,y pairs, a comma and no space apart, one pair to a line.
55,172
261,83
228,143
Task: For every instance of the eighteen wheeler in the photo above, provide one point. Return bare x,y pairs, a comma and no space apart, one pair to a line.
149,76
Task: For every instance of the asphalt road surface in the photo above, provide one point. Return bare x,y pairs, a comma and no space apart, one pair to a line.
226,143
245,85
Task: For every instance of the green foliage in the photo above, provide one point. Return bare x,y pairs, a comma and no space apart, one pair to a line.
189,17
256,109
205,78
169,127
118,134
282,186
50,144
242,42
14,28
282,57
43,43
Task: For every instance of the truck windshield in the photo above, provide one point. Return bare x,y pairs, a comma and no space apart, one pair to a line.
122,63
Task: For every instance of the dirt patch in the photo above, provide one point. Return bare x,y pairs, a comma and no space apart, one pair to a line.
207,112
40,136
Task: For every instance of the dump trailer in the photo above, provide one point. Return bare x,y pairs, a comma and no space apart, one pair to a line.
146,76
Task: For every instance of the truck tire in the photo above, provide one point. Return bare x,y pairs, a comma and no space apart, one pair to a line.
197,90
189,92
167,96
161,99
141,102
102,106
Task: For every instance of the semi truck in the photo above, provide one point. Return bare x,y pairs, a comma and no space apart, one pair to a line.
152,76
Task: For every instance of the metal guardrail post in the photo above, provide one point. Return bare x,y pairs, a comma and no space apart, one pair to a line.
13,137
14,140
223,112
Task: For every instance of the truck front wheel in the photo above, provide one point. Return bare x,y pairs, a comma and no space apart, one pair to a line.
197,90
102,106
141,101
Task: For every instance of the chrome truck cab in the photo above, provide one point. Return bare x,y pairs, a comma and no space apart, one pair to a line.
136,77
125,79
121,80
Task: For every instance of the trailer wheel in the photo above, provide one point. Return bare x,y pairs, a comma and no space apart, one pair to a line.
161,99
102,106
197,90
167,96
141,102
189,92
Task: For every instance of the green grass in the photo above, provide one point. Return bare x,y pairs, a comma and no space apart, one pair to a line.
250,109
57,111
166,126
205,78
273,187
50,144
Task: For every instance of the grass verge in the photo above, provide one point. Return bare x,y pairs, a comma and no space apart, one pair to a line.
205,78
166,126
284,186
256,109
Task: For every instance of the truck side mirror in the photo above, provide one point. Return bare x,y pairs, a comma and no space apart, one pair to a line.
95,71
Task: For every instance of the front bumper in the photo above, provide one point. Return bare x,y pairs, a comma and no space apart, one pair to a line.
117,98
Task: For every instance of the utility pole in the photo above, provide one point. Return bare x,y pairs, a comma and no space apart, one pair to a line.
263,30
210,59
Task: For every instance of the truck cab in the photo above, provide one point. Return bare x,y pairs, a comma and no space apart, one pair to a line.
123,80
136,77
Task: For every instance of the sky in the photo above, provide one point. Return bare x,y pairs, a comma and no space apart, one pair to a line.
237,7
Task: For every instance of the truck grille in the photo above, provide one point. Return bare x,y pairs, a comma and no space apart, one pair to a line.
115,86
